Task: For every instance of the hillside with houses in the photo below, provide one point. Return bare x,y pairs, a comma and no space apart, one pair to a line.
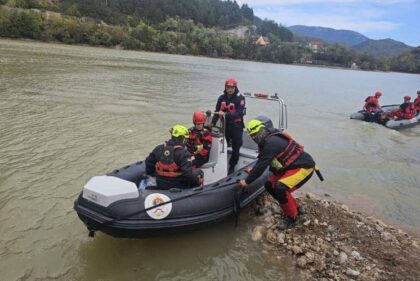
210,28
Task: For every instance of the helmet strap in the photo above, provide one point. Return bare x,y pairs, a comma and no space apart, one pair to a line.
261,135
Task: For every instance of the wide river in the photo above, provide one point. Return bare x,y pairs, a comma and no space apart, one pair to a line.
68,113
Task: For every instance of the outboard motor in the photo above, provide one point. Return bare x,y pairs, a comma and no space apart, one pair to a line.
266,121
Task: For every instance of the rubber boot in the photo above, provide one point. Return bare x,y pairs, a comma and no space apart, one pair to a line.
289,208
301,210
231,169
286,223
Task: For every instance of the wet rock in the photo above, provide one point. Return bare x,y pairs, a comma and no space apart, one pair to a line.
379,228
271,237
352,272
310,196
301,262
281,237
257,233
345,208
347,249
342,259
310,257
356,255
386,236
297,250
381,223
320,264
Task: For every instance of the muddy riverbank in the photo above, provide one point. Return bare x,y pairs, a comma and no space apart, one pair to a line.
333,242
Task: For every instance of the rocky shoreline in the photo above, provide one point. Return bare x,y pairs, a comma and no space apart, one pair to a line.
332,242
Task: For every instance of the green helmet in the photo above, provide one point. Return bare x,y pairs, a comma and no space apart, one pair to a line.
179,131
254,126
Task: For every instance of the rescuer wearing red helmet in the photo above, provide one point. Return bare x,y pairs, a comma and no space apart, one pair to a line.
407,110
170,162
372,103
417,102
199,142
231,106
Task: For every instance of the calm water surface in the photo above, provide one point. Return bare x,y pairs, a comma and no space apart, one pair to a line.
70,112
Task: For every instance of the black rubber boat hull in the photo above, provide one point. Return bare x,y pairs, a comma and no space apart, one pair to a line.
188,214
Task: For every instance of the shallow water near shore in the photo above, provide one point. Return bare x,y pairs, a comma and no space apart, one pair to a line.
68,113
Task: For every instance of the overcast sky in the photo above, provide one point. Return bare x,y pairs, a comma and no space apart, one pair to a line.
376,19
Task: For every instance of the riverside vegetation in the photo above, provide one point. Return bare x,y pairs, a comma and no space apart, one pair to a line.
188,27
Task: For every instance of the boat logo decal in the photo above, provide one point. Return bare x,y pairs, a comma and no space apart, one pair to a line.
160,212
92,196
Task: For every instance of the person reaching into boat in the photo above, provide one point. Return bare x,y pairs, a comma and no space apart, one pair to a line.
407,110
199,142
290,164
231,106
372,103
170,162
417,102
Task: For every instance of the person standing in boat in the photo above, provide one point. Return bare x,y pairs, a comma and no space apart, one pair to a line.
372,103
417,102
170,162
407,110
199,142
231,106
290,164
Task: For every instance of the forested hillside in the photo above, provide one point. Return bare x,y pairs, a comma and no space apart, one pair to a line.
194,27
383,47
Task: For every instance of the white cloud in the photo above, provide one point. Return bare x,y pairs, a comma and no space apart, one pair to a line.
259,3
363,21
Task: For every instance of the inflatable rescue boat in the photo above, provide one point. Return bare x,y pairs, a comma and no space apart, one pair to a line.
390,123
127,203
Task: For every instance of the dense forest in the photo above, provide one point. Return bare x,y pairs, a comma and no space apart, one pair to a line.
195,27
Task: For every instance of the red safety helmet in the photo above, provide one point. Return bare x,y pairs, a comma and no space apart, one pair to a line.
231,82
199,118
378,94
407,98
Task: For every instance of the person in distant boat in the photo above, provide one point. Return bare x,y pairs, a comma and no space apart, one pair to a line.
372,103
170,162
417,102
199,142
231,107
407,110
290,164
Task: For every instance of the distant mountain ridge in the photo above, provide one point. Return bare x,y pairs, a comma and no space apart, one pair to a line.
345,37
382,47
353,39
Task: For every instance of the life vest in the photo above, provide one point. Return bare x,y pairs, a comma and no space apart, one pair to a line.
408,110
417,103
287,156
231,108
197,139
166,166
371,103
